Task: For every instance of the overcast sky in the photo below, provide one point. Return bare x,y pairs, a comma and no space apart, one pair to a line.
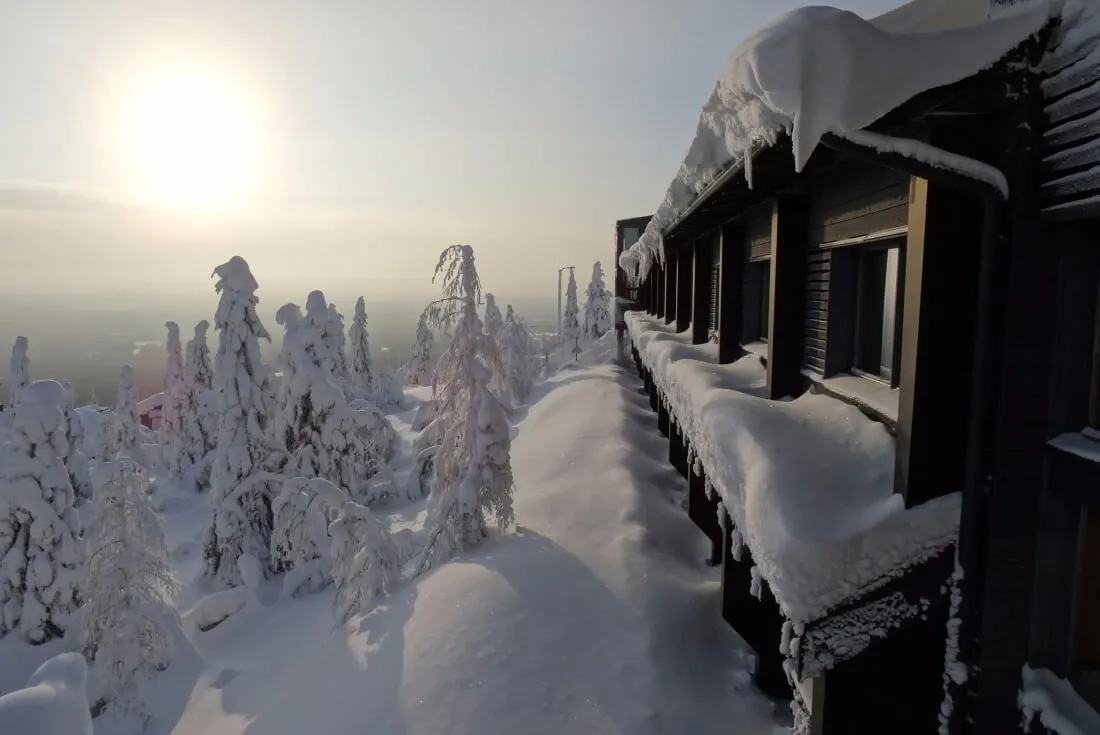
382,132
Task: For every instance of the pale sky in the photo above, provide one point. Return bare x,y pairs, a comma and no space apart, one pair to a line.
376,133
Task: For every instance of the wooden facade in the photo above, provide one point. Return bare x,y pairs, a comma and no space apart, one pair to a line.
974,314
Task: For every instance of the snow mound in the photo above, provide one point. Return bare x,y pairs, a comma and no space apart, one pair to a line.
807,482
818,70
1058,705
53,703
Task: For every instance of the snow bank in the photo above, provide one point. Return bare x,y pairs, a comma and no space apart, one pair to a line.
808,482
53,703
1059,707
818,70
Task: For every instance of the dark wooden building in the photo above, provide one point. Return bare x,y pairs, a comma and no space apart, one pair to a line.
627,232
971,314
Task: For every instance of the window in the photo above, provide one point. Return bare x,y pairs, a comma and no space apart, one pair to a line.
630,236
1085,671
757,292
878,326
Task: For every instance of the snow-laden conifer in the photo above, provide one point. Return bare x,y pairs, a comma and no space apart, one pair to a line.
20,370
519,361
245,443
571,328
75,458
362,366
388,393
494,322
174,406
40,547
200,411
128,589
365,561
420,366
473,474
335,334
597,305
127,423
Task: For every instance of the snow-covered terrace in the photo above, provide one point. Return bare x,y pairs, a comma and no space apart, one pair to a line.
807,482
818,71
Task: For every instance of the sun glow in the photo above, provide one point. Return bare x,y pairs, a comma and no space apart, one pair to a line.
194,141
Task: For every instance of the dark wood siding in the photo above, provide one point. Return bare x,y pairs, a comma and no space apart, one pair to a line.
758,232
1071,165
818,264
715,280
857,199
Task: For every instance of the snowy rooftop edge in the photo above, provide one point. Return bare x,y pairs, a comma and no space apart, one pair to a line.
818,70
808,483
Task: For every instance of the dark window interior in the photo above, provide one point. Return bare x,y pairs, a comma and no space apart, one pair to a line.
878,312
1085,671
754,327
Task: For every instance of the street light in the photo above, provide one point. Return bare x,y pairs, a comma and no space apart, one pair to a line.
561,337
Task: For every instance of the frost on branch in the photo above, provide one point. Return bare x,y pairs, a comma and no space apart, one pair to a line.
494,325
366,564
420,366
362,367
520,365
199,416
19,374
128,590
473,473
571,328
40,548
245,443
597,305
175,405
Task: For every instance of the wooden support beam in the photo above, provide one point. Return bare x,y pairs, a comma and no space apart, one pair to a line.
704,513
662,414
700,289
732,280
942,254
670,301
790,221
684,268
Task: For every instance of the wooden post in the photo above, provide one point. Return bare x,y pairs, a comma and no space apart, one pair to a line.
670,301
700,289
788,277
684,263
731,284
704,512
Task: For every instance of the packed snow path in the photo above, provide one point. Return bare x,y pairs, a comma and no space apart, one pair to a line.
596,615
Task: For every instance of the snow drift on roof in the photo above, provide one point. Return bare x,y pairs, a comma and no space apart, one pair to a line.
818,70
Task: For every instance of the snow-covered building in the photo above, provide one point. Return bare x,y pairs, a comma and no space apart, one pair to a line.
150,410
868,325
627,232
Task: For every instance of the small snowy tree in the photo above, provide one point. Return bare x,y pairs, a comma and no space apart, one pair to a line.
388,394
199,415
19,374
175,405
75,458
334,332
571,328
362,367
128,589
420,367
40,548
365,560
597,305
245,444
519,363
128,435
493,320
473,473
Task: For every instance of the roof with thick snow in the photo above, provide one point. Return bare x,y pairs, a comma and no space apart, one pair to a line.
821,70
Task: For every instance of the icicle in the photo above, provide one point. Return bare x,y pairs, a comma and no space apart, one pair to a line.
722,514
711,493
756,587
736,542
698,466
785,638
746,158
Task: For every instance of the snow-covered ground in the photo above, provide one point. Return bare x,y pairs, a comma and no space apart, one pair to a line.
596,614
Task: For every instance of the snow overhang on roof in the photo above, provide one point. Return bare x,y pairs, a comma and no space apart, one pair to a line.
819,70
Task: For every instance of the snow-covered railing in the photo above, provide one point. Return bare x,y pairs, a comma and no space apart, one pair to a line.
808,483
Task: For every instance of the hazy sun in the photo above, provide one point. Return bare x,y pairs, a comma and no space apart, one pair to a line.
193,140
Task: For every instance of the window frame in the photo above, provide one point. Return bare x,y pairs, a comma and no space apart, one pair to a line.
860,331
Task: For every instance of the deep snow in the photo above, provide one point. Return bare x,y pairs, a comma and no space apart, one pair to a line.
596,615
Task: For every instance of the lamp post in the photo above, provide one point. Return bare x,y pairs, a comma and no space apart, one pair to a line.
561,337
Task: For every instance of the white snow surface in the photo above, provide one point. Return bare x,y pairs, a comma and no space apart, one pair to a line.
807,482
1058,705
818,70
54,702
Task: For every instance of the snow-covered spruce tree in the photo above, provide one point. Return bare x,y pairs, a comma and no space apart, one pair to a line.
245,443
75,459
473,473
19,374
336,334
494,326
40,547
362,367
175,405
571,328
519,363
200,412
128,588
420,366
597,305
388,394
128,435
365,561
